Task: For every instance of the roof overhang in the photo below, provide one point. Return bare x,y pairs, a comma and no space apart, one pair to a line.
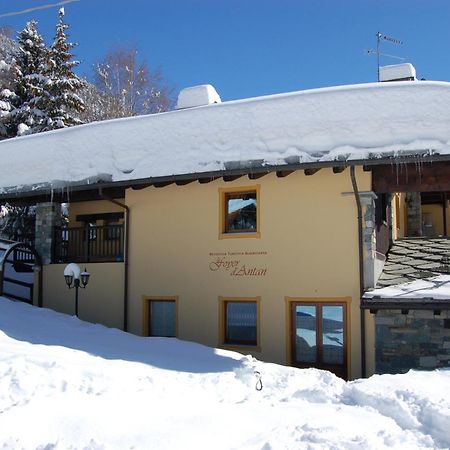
96,189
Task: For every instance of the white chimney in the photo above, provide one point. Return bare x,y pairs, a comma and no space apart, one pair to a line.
202,95
398,72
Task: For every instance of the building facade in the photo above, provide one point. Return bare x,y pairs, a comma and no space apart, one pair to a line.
255,226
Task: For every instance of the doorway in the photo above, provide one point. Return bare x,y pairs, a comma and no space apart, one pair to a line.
319,336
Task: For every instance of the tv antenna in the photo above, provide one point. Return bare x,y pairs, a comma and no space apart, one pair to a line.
383,37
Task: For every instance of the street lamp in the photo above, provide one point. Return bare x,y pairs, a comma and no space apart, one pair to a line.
73,274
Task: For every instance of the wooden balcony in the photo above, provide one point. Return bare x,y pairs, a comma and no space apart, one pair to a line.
89,244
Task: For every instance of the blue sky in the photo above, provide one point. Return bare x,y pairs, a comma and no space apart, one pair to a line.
248,48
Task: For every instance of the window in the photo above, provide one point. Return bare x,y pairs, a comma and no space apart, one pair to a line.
239,321
113,230
319,335
239,212
160,317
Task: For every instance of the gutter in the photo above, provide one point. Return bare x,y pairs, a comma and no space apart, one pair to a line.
125,256
361,270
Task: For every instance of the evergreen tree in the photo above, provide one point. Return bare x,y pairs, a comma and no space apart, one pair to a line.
7,98
29,85
64,105
8,53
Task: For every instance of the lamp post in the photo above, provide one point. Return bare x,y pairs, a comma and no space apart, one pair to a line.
73,274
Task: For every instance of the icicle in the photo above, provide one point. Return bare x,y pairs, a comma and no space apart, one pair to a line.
419,167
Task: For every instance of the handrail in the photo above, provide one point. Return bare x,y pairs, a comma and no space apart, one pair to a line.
103,243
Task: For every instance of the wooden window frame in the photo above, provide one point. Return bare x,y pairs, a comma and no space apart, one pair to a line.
223,193
290,332
222,323
146,299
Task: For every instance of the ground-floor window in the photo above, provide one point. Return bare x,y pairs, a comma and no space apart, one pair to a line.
160,316
319,335
239,320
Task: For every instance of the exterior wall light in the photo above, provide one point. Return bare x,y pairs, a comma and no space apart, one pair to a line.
85,277
73,275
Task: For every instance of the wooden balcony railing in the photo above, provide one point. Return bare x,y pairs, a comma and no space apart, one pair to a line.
88,244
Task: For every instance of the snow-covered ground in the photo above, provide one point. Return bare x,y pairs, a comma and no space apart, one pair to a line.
67,384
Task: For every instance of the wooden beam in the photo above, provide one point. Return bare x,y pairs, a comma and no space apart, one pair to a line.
444,212
423,177
339,169
255,176
284,173
183,182
309,172
139,187
162,184
206,180
227,178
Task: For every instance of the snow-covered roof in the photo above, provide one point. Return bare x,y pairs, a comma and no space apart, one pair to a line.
339,123
436,288
416,271
415,258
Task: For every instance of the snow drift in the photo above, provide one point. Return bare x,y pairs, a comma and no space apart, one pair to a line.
65,384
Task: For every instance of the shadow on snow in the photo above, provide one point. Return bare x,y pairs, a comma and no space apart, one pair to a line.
46,327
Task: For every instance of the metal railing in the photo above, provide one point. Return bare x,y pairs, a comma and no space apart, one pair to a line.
88,244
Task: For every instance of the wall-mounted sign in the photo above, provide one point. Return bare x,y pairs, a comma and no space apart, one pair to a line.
237,264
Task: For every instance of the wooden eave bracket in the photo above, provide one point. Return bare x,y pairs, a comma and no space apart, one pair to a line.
227,178
284,173
309,172
183,182
255,176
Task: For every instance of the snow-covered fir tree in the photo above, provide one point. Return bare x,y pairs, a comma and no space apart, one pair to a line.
8,53
29,85
64,104
8,47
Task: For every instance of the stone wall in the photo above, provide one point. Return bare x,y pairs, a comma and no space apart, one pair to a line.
48,215
414,214
371,274
417,340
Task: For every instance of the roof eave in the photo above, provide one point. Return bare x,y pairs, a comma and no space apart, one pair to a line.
246,169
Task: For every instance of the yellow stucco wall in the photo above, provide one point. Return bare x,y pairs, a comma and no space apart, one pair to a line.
102,300
433,211
398,206
308,248
434,214
94,207
370,343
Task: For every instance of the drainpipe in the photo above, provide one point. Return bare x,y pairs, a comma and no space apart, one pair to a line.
361,270
125,277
